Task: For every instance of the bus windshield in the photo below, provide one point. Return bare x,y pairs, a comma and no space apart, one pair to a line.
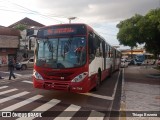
60,53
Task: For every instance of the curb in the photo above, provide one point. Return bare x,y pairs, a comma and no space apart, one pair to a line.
123,99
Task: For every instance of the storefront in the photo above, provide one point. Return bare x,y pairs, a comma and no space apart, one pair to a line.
5,54
9,44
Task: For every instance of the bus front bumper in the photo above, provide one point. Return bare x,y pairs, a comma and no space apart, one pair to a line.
62,86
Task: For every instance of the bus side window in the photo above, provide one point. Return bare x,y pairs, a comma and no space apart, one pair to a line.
106,51
91,46
99,51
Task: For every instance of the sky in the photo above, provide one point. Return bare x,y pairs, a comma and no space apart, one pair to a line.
101,15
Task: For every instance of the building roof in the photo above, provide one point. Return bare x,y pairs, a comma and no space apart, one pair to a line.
9,31
28,22
134,51
1,26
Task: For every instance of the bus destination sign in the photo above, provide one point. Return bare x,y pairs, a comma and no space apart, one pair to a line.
57,31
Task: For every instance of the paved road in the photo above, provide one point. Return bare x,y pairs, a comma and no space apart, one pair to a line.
141,92
19,95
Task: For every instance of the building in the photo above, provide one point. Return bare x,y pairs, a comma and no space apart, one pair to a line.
27,43
9,43
130,52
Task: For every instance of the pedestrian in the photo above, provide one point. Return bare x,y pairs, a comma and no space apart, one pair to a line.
1,77
11,68
0,66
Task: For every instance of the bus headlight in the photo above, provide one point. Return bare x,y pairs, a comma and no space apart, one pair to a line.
37,75
80,77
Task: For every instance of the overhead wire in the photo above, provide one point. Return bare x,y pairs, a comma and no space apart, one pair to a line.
32,12
29,11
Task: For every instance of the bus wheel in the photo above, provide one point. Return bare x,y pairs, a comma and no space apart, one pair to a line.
98,82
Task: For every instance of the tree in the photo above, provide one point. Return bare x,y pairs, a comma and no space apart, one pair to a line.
141,29
21,27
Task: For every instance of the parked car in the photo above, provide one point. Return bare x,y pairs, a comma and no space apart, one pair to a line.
26,63
124,63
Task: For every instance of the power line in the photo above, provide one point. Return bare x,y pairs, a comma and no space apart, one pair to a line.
29,11
16,11
34,12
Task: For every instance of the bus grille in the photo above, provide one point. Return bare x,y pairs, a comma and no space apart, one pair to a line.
54,74
57,86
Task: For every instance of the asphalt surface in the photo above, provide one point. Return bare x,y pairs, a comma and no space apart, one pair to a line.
96,104
135,91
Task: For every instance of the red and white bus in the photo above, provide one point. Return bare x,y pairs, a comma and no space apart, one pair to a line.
72,57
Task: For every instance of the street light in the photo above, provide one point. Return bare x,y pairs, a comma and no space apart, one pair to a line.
71,18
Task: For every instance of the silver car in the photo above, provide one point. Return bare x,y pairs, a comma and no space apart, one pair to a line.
27,63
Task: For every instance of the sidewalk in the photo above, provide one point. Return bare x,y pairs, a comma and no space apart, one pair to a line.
141,93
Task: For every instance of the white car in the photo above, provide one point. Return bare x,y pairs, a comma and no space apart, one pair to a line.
124,63
27,63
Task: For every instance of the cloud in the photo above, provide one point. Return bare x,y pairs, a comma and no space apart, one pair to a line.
98,10
102,15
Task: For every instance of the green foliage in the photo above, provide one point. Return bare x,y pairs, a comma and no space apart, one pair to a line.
21,27
141,29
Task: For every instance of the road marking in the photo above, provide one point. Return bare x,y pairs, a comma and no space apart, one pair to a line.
13,97
8,91
88,94
9,72
92,94
98,96
42,108
99,115
68,115
3,87
28,81
115,87
20,104
122,104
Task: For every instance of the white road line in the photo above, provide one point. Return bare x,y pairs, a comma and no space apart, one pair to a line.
3,87
68,115
98,96
111,105
14,73
42,108
99,115
8,91
28,81
20,104
115,88
92,94
88,94
13,96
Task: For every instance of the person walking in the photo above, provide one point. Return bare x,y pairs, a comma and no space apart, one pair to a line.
11,68
1,77
0,66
